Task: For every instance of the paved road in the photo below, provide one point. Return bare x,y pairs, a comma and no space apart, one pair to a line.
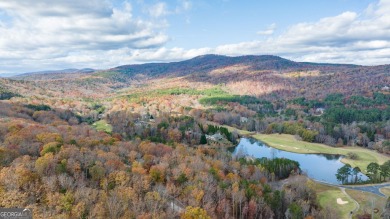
372,188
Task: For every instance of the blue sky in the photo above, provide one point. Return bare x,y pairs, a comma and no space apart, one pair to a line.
212,23
45,34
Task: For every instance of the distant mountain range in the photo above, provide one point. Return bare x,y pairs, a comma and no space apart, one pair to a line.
62,71
202,64
7,75
263,76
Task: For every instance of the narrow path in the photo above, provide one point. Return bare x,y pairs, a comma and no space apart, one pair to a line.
357,206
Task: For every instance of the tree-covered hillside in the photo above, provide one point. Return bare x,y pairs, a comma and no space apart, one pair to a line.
152,140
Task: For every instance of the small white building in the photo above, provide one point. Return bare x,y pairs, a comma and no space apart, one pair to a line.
320,110
215,137
243,119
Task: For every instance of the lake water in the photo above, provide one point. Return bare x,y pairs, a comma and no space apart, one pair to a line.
322,167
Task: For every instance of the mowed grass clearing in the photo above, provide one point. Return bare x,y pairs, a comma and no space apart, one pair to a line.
231,129
289,143
102,125
366,200
328,195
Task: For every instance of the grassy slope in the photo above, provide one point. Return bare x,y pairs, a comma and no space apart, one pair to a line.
231,129
328,195
289,143
365,201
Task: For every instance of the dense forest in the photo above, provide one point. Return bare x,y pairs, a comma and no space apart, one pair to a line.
63,168
152,141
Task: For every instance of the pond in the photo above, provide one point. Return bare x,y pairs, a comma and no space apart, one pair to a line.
322,167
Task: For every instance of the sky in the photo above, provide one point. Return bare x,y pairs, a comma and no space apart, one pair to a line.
40,35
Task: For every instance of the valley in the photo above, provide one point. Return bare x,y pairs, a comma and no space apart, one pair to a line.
135,140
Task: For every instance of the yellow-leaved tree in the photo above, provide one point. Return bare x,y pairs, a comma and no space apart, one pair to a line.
195,213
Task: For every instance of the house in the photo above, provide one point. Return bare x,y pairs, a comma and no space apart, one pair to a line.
216,137
319,111
243,119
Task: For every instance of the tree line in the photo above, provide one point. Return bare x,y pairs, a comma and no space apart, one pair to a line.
377,173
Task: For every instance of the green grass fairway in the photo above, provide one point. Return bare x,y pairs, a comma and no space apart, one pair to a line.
328,195
102,125
365,201
289,143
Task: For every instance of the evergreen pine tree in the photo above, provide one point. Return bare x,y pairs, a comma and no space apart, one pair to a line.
203,139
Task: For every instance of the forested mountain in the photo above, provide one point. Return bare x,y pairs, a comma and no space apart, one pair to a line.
266,76
208,63
151,140
54,74
263,75
50,72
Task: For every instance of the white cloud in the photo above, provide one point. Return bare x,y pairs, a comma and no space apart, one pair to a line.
44,8
184,5
350,37
326,31
47,35
161,9
268,31
158,10
346,38
44,31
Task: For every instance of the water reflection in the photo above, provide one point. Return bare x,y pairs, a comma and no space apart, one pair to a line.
317,166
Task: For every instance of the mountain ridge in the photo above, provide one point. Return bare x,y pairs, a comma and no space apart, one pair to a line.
210,62
61,71
256,75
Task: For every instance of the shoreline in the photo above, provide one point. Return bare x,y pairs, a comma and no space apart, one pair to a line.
372,155
290,144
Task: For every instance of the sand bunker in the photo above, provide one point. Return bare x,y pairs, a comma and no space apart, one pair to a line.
341,202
